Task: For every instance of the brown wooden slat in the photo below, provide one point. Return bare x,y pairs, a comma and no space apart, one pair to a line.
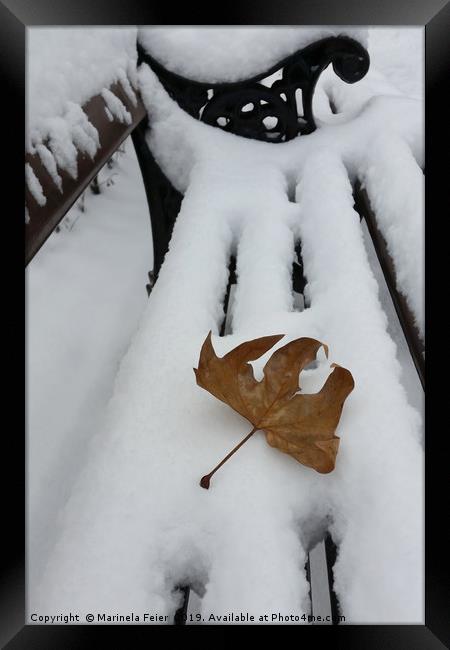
44,219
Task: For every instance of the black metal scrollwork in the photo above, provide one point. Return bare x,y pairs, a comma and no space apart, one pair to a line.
274,106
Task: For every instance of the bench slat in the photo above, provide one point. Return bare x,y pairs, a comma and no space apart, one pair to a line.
44,219
404,313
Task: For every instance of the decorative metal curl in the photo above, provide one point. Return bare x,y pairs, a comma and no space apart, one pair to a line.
274,106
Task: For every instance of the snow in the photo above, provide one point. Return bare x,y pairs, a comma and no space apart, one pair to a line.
399,54
393,179
389,474
85,294
223,54
115,108
66,68
409,377
34,185
49,163
133,522
396,68
389,170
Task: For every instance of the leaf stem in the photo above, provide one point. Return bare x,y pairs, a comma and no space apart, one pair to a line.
205,480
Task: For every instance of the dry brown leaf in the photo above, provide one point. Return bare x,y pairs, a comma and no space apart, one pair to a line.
302,425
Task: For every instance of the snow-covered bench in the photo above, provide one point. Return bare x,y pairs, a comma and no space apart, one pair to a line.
245,212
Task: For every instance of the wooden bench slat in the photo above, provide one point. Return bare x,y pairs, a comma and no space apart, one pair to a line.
44,219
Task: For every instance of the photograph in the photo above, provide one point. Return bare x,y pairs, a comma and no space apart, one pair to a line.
224,327
279,173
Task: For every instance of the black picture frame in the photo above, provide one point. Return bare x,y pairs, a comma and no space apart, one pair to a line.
15,17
